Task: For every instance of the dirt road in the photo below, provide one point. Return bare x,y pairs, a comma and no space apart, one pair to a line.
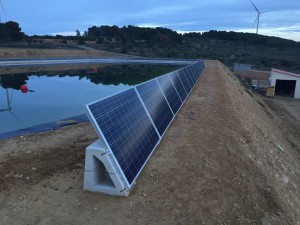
222,161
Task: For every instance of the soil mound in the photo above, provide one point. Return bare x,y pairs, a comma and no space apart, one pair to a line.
228,158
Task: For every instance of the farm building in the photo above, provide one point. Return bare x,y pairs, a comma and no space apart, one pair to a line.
242,67
285,83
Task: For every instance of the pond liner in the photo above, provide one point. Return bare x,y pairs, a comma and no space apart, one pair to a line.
54,125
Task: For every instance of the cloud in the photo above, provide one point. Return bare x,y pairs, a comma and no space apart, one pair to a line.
65,33
60,16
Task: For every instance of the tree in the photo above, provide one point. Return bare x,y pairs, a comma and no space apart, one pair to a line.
10,31
78,34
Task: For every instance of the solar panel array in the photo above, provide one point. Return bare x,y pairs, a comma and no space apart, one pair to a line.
132,122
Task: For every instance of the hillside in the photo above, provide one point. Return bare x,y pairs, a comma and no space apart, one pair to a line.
263,52
33,53
227,158
46,53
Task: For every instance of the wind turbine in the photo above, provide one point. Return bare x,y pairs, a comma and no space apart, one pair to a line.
2,9
9,100
9,108
258,16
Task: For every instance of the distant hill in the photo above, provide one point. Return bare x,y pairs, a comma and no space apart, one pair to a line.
263,52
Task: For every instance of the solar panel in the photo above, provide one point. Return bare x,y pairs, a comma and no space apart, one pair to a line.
156,104
189,76
198,69
184,81
170,92
193,72
130,126
127,129
201,67
178,85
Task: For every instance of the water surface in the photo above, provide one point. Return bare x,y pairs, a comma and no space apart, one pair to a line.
53,96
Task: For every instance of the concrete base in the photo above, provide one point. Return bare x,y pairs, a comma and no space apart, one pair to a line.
101,173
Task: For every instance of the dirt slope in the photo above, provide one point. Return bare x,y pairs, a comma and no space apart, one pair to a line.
222,161
33,53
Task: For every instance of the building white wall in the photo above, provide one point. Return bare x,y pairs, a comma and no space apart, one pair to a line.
280,76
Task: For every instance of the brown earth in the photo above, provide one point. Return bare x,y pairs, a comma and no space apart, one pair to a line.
226,159
18,70
32,53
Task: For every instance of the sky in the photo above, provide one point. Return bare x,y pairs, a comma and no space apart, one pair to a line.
66,16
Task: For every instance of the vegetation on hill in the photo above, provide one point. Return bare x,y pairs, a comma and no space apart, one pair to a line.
263,52
249,38
10,31
152,36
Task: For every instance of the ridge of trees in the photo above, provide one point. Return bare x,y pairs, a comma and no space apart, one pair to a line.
10,31
166,36
263,52
159,35
249,38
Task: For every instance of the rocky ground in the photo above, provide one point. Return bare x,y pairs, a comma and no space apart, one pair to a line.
229,157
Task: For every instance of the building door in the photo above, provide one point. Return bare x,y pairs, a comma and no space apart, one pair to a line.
285,88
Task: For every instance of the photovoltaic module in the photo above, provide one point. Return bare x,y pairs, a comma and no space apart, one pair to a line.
131,124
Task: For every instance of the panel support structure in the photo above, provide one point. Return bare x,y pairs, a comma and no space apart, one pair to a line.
101,174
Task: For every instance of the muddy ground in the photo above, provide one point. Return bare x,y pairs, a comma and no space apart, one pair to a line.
229,157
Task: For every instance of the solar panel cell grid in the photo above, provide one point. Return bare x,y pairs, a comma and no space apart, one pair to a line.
198,68
127,129
193,73
170,93
178,85
189,76
156,105
184,81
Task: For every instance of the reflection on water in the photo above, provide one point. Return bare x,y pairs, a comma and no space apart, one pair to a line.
56,95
